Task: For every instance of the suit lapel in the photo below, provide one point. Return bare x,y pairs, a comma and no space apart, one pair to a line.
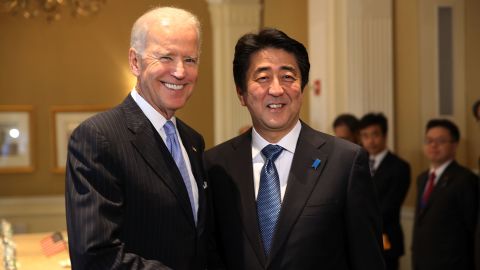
242,173
152,148
383,166
301,181
439,187
194,152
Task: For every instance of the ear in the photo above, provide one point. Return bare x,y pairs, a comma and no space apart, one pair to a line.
134,62
241,97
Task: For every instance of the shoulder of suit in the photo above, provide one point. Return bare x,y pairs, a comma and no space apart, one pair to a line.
230,144
397,159
456,169
330,143
188,128
102,119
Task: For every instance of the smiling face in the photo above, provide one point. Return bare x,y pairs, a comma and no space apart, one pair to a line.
167,68
273,95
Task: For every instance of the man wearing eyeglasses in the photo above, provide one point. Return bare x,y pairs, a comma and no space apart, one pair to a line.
447,204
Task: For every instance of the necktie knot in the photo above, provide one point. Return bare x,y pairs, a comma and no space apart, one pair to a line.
271,152
169,128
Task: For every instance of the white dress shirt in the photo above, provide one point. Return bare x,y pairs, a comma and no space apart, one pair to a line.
378,158
283,163
158,121
439,170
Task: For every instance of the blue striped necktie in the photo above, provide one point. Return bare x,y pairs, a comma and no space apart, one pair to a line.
268,199
174,148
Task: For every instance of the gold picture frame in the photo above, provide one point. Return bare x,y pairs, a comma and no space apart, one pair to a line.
64,120
16,139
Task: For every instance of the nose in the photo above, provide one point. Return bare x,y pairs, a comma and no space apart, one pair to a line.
276,88
179,70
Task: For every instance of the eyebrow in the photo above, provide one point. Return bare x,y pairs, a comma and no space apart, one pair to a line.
287,68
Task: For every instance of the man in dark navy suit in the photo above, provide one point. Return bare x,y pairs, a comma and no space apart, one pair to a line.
391,176
446,213
135,181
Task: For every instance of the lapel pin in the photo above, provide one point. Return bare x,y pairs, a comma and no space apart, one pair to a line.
205,185
194,149
316,163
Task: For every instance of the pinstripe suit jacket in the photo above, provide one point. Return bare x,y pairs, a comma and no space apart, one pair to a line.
127,206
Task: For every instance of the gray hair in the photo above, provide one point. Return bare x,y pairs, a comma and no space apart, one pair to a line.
141,25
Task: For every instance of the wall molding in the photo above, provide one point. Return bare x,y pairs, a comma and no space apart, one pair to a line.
34,214
230,20
351,49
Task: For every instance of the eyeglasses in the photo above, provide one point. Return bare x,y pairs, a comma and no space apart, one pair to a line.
439,141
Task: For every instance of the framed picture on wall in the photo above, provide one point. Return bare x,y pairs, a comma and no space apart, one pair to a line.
16,139
64,120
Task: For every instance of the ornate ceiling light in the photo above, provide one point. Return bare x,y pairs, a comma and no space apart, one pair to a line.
51,9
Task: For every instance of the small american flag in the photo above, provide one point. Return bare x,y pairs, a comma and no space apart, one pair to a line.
53,244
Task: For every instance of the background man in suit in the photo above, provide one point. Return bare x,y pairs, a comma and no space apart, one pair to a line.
284,195
447,205
345,126
391,176
134,188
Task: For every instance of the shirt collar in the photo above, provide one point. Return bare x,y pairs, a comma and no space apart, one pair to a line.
156,118
440,169
288,142
379,157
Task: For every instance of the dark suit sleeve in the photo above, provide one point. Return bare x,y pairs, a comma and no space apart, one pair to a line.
467,198
362,215
214,259
94,205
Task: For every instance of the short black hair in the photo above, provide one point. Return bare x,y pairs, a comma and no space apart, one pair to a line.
348,120
447,124
475,109
371,119
266,38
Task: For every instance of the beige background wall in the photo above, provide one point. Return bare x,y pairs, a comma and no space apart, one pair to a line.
407,87
472,63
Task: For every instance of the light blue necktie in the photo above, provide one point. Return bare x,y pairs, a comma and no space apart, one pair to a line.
268,199
174,148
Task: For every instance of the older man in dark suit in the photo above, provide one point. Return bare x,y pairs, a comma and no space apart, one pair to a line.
447,205
135,181
286,196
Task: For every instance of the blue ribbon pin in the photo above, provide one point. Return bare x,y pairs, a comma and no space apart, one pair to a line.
316,163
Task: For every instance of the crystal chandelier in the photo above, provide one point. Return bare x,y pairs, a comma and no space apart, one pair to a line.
51,9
